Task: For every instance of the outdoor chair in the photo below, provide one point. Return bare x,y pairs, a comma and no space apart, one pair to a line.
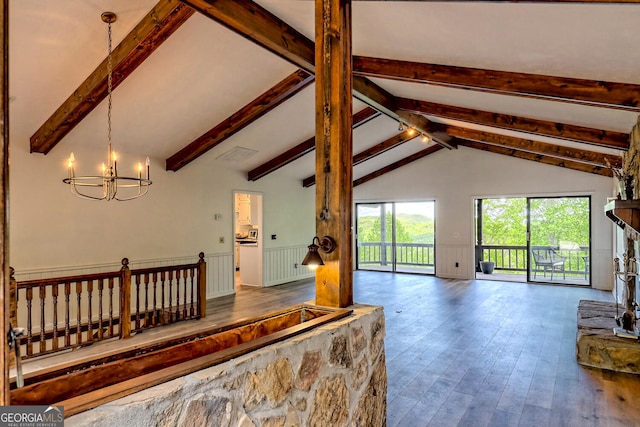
549,260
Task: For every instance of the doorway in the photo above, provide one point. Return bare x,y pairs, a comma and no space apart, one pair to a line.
248,239
396,237
534,239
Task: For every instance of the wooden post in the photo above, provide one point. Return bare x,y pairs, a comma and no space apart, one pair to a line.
125,299
334,151
629,293
202,286
4,206
13,309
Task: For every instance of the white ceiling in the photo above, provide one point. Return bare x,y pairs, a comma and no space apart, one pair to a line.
204,72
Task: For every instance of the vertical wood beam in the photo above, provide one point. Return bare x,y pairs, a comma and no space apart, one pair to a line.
4,204
334,150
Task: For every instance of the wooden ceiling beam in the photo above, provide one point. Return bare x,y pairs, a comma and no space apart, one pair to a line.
162,21
305,147
371,152
622,96
535,157
554,150
242,118
257,24
395,165
602,138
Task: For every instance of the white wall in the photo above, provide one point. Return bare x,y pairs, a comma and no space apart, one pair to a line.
51,229
455,178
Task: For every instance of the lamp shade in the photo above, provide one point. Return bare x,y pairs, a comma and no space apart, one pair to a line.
313,258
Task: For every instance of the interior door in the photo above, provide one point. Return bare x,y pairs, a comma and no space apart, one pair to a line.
559,240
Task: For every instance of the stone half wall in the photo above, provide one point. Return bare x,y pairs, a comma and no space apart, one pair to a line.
334,375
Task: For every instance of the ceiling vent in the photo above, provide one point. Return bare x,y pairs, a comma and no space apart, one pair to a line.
237,154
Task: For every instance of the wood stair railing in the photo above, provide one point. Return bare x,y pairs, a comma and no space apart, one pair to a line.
74,311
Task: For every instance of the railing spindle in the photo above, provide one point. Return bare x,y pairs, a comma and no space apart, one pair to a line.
110,285
29,322
137,301
100,313
154,313
79,313
170,295
67,330
146,299
177,295
162,279
43,296
191,309
90,311
185,275
54,293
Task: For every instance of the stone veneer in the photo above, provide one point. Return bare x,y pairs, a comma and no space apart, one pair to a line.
597,346
334,375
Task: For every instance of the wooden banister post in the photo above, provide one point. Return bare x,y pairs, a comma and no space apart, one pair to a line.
4,203
125,299
202,286
13,309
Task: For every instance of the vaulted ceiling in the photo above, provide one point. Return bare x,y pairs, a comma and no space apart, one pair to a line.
230,83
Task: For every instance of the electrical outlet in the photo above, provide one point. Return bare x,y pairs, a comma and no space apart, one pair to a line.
273,237
295,265
221,239
457,264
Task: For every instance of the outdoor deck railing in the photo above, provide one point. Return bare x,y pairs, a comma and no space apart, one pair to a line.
514,258
73,311
407,254
505,257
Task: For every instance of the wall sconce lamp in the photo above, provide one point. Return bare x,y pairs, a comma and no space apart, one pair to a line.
313,258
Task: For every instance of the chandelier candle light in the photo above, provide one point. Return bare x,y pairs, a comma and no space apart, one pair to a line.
110,182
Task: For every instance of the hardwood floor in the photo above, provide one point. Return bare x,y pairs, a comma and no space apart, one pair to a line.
466,353
479,353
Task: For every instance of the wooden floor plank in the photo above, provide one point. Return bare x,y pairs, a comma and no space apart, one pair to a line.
464,352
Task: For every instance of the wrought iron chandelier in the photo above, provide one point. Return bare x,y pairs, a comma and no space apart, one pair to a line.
113,186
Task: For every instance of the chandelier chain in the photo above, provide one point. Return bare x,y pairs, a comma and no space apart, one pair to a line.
109,85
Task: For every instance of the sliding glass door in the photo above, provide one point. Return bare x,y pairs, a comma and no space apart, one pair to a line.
396,237
559,239
535,239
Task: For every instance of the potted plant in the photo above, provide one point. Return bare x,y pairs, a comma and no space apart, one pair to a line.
487,267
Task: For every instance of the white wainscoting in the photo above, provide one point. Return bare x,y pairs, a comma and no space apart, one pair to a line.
280,265
446,258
